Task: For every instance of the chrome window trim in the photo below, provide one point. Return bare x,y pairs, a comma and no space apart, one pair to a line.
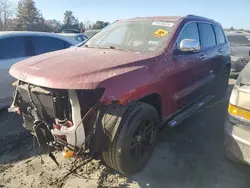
206,22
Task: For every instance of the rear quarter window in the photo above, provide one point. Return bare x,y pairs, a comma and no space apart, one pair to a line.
220,38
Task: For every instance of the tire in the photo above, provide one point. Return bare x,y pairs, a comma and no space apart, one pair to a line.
222,83
121,154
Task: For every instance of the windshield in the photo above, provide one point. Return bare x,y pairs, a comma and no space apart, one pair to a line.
239,39
135,36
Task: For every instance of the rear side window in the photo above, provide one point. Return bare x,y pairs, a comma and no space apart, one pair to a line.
190,31
207,35
13,47
47,44
219,35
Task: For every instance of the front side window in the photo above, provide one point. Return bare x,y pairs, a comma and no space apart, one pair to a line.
46,44
207,35
219,35
12,47
135,36
190,31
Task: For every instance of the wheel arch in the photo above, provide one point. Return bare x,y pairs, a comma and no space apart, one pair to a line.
154,100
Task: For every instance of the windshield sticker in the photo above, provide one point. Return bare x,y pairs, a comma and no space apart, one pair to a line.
160,33
166,24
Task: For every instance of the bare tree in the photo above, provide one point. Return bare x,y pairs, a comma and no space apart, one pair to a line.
6,12
88,24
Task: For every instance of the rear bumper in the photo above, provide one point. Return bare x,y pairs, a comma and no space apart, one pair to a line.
237,142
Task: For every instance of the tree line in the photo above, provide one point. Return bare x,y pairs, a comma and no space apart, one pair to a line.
26,17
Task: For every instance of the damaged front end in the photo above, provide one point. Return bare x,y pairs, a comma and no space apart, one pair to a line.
74,120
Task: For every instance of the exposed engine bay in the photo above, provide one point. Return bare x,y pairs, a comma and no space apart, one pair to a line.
73,120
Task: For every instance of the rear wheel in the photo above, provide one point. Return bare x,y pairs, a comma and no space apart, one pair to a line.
135,140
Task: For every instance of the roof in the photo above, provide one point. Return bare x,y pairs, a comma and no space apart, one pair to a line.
4,34
172,18
159,18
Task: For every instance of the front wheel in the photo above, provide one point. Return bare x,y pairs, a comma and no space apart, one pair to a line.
135,139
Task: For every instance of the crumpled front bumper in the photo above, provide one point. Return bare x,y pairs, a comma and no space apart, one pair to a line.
237,141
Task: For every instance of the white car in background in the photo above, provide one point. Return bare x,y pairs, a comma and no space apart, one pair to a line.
17,46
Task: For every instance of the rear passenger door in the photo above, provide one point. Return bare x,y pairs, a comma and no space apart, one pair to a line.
222,48
42,44
208,57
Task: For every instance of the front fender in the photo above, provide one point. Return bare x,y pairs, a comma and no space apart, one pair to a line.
132,86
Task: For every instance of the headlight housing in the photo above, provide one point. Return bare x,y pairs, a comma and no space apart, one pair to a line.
239,108
239,112
234,96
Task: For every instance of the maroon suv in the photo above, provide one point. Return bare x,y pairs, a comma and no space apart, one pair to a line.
111,95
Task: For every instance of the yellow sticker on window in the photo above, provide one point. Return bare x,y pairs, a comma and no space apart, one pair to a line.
160,32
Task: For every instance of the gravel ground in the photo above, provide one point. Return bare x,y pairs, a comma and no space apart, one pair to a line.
188,156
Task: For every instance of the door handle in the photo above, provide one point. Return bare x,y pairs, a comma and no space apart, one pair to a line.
203,56
220,50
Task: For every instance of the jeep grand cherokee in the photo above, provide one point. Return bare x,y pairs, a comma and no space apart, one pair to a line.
111,95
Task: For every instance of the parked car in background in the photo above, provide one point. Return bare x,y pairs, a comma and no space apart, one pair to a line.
17,46
70,31
76,36
90,33
237,126
240,51
112,94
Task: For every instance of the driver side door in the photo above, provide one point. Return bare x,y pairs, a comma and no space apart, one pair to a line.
186,85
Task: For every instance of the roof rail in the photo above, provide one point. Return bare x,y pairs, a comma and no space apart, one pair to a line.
195,16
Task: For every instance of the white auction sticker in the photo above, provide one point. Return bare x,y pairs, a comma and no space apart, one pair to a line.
166,24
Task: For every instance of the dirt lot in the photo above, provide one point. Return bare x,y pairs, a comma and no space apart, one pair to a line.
188,156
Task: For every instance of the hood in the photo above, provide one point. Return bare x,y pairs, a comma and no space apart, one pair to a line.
77,68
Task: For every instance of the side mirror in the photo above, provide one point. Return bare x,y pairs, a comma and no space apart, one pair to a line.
189,45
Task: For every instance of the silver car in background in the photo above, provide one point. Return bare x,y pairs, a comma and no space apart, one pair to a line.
17,46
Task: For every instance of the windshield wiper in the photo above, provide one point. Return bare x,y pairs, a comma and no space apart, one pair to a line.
114,48
87,46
